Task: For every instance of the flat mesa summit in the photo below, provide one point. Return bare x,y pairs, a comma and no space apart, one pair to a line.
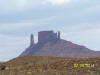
51,44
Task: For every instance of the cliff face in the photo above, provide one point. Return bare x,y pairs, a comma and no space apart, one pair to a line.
50,44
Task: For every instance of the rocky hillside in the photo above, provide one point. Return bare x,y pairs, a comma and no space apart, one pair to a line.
61,48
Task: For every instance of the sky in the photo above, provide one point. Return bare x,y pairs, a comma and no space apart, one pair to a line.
78,21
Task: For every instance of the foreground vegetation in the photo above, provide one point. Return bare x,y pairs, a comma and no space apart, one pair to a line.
38,65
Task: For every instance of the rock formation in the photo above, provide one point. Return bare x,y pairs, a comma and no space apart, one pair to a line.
48,36
51,44
32,40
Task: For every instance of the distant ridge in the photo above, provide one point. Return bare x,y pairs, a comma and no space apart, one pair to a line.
51,44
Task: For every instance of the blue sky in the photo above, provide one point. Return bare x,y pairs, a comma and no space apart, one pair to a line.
78,21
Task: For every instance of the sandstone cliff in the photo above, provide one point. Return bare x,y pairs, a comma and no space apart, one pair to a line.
50,44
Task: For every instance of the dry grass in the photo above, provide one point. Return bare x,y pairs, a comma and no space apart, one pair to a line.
38,65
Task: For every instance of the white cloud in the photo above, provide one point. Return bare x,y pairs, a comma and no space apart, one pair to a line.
57,2
16,6
26,24
7,6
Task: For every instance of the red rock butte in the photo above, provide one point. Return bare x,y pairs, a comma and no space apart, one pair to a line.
45,36
51,44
